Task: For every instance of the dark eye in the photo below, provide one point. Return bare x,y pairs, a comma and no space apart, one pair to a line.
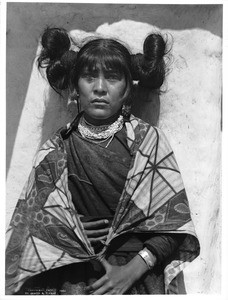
113,76
88,76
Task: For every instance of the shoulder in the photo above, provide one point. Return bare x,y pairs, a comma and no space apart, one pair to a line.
51,149
142,126
145,133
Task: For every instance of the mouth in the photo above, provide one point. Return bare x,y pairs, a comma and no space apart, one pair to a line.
100,101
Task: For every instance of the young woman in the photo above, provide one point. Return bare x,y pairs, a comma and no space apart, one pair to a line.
104,210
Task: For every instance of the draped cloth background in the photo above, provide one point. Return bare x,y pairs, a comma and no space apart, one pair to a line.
190,116
45,231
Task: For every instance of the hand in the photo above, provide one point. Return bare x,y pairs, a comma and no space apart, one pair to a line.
96,231
118,279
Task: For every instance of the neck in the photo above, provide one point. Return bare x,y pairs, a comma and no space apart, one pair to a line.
98,122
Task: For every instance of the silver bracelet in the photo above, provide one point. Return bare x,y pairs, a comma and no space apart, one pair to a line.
146,257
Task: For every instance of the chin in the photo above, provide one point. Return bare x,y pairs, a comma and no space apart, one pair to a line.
99,114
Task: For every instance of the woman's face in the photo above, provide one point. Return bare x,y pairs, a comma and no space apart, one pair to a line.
101,93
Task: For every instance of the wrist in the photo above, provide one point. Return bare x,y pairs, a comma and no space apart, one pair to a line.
137,267
148,258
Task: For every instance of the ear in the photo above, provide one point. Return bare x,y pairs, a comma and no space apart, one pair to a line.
73,94
128,93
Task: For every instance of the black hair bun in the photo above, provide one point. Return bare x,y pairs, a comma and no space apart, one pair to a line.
55,42
58,73
154,47
56,57
149,68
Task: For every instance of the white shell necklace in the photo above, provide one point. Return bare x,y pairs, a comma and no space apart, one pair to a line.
101,132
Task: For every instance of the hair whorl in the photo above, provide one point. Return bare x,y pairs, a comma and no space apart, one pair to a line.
56,57
55,42
149,68
154,47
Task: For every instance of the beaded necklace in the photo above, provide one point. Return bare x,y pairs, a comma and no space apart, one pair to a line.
101,132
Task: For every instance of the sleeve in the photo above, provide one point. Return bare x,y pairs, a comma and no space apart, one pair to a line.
164,245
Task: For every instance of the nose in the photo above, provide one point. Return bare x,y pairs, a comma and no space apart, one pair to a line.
100,86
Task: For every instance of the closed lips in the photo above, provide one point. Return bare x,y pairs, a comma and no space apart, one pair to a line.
99,100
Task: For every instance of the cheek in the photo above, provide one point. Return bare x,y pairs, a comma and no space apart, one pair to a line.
82,87
84,92
120,92
83,99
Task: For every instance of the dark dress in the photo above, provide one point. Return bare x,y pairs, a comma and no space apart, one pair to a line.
96,178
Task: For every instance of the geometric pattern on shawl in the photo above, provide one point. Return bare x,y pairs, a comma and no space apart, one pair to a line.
45,231
154,198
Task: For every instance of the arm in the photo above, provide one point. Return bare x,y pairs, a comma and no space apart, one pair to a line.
118,279
164,245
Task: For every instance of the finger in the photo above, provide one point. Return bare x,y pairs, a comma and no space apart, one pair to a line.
97,240
96,233
102,291
96,285
95,224
106,265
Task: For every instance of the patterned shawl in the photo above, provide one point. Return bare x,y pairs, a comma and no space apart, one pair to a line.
45,231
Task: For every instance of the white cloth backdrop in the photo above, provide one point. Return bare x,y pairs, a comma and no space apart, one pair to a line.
190,116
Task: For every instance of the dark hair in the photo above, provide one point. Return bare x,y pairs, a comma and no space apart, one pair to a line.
64,66
56,57
149,68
